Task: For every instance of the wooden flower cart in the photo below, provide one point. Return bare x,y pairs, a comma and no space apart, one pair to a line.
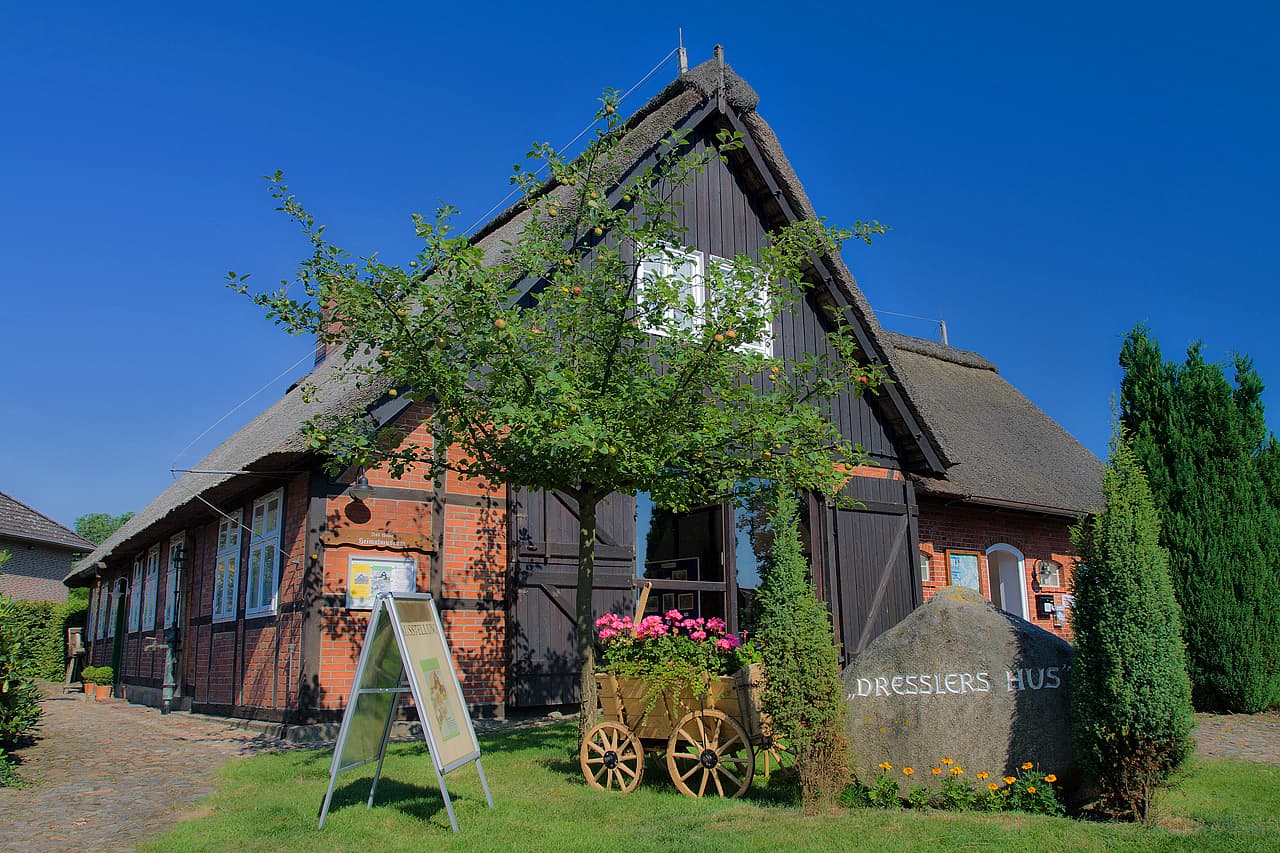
709,740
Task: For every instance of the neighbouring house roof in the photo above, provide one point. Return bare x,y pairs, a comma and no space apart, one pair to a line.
19,521
1005,450
272,442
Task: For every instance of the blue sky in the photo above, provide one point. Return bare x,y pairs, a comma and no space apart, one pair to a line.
1052,174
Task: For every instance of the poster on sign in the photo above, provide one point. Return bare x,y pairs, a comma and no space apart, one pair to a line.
405,652
368,576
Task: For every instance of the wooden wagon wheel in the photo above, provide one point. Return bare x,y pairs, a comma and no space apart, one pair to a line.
708,753
612,758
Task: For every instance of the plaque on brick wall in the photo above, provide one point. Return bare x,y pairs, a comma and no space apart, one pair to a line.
369,575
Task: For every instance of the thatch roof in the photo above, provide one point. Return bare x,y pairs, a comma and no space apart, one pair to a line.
1005,450
21,522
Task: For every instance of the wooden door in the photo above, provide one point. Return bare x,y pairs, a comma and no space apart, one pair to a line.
874,583
544,659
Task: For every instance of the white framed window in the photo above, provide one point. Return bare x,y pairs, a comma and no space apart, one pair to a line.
135,595
759,312
924,566
103,628
112,609
264,554
695,300
150,587
681,268
173,578
226,577
94,622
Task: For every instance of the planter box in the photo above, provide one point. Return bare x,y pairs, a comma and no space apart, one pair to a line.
625,699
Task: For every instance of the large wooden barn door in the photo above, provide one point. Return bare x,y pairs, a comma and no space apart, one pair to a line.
544,662
874,582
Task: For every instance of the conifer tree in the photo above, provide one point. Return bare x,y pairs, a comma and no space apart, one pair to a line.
803,695
1203,443
1130,695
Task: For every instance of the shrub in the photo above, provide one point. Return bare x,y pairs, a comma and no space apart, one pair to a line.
802,695
43,628
1130,695
19,698
1202,442
99,675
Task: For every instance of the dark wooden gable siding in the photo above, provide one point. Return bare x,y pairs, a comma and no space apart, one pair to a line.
722,218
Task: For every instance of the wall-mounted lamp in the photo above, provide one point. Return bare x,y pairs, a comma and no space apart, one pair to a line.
360,490
1049,573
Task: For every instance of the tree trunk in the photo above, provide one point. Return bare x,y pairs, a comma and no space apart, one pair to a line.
587,501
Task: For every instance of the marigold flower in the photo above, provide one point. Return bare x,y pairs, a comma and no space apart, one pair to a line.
1051,778
937,771
1009,780
947,761
983,775
992,786
1028,766
957,771
884,765
1031,789
907,771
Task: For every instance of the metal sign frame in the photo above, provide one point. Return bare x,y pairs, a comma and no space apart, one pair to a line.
385,604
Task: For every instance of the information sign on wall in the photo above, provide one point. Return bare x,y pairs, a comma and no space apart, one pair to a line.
369,575
964,570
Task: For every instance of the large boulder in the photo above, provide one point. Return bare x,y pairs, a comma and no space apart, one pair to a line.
959,679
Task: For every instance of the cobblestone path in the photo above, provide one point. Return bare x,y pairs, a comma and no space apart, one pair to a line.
1251,737
108,775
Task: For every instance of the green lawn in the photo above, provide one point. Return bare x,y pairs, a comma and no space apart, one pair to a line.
270,802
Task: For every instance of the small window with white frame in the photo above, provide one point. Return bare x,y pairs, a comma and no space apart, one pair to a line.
690,301
264,554
150,587
681,270
173,579
135,595
226,573
758,313
115,600
93,622
924,557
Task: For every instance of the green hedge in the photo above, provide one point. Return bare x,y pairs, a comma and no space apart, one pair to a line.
42,627
19,698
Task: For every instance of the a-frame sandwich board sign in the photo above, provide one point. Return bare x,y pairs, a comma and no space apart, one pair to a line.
405,651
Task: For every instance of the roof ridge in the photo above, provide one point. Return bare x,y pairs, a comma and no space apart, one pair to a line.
940,351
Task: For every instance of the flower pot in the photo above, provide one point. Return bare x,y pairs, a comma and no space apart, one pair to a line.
102,692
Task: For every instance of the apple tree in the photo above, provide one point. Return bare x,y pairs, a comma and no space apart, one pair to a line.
552,364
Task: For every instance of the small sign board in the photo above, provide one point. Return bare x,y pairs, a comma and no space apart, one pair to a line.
405,652
964,569
369,575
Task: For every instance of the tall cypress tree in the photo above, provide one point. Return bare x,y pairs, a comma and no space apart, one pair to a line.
1202,440
1130,696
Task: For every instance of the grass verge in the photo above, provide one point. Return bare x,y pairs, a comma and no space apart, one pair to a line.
270,802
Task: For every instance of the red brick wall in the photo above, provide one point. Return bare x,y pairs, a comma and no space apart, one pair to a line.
472,582
970,528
